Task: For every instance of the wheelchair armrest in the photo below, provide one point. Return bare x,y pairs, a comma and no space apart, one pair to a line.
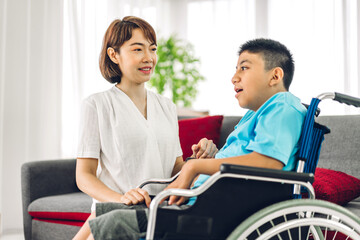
265,172
162,180
159,180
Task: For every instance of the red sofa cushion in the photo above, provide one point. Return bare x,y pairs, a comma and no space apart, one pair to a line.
335,186
72,216
67,218
194,129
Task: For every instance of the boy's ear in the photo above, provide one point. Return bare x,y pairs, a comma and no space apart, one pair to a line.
277,76
112,55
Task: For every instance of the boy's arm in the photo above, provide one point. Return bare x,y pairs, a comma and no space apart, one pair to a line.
210,166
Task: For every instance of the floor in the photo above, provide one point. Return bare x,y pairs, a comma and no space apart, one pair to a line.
19,236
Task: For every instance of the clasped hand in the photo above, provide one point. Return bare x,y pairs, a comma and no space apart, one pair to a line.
205,148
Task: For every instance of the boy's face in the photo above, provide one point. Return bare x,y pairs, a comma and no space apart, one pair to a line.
251,81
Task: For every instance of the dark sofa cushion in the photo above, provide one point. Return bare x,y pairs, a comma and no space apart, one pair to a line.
335,186
75,223
42,230
72,206
194,129
340,150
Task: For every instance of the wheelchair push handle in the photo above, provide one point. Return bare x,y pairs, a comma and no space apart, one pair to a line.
341,98
349,100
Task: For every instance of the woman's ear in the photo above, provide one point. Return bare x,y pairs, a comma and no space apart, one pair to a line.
112,55
277,76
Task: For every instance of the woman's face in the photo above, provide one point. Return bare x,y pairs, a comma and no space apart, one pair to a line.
137,58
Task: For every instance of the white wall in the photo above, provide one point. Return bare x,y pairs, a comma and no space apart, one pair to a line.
2,60
30,110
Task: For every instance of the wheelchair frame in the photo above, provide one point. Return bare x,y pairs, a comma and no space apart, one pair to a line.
316,215
215,177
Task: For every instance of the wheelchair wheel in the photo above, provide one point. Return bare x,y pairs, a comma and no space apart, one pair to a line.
300,219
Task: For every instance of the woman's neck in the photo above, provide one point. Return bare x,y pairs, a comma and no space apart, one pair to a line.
137,94
136,91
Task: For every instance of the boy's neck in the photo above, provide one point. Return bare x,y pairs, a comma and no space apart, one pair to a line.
270,95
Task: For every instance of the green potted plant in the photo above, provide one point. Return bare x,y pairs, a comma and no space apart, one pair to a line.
177,71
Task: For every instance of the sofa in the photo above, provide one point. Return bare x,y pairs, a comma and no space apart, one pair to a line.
54,208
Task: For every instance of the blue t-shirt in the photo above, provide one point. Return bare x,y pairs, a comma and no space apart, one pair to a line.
273,130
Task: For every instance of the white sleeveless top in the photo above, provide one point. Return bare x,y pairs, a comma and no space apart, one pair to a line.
130,148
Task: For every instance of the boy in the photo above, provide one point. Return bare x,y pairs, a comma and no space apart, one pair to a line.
266,136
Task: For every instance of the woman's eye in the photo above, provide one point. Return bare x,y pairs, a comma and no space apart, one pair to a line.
243,68
137,49
154,49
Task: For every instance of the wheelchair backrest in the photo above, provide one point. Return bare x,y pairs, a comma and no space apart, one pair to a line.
312,136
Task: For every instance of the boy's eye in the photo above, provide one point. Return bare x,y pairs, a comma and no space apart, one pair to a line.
243,68
137,49
154,49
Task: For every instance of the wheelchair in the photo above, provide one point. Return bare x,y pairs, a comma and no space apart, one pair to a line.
259,203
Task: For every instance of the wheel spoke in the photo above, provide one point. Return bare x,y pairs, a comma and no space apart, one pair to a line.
258,232
288,231
348,237
299,229
327,217
308,234
334,238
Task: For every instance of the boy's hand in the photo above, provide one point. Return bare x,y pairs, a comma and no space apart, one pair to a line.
204,149
183,181
136,196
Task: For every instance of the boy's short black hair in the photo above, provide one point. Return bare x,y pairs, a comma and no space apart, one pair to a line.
274,54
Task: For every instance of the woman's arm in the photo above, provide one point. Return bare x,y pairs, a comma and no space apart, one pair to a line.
87,182
179,163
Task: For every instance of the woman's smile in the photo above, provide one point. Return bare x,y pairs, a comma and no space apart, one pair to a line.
146,70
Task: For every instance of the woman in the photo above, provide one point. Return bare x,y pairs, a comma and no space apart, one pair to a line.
128,134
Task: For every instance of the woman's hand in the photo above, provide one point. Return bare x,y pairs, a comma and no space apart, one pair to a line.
204,149
136,196
88,183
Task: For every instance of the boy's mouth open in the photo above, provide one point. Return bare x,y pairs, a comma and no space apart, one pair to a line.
145,70
238,91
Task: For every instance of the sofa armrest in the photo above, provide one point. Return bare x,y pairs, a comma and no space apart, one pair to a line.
45,178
